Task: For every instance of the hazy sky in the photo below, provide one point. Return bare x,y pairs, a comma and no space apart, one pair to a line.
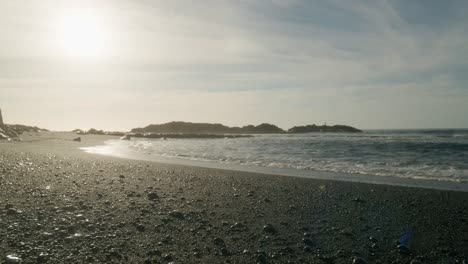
116,65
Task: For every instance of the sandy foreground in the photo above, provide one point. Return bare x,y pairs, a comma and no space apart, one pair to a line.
61,205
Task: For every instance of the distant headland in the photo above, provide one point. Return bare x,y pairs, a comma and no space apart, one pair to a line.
178,127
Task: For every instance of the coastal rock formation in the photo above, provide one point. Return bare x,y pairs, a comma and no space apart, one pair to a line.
324,128
10,132
206,128
94,131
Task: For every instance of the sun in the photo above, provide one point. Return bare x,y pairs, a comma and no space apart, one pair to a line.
83,36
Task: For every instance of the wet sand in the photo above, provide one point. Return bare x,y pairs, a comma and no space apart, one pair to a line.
61,205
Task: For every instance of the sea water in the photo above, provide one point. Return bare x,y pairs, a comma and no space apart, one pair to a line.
436,158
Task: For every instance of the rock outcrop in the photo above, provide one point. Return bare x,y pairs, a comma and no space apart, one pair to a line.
324,128
12,132
207,128
219,129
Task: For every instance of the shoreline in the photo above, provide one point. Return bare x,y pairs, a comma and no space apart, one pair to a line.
308,174
59,204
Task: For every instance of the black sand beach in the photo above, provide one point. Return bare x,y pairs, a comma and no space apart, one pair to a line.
61,205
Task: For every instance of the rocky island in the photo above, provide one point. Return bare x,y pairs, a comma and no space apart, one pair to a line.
314,128
217,129
179,127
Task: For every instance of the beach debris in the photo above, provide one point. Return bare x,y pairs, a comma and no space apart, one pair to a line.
12,259
269,229
404,242
78,139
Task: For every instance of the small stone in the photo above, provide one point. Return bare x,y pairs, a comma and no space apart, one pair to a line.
153,252
71,229
168,257
12,259
225,252
308,241
11,211
140,227
403,249
42,258
358,200
219,241
262,258
358,260
373,239
152,196
269,229
177,214
237,227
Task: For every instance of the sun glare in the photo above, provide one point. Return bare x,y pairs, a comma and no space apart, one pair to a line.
83,36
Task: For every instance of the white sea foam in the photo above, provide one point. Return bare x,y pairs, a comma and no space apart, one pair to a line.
438,155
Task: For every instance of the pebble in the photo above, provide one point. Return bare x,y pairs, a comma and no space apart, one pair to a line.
225,252
140,227
307,241
153,252
12,259
11,211
237,227
269,229
358,260
262,258
403,249
219,241
168,257
152,196
43,257
177,214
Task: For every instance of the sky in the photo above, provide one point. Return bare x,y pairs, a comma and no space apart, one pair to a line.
117,65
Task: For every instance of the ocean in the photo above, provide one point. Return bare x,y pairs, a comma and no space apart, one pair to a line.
433,158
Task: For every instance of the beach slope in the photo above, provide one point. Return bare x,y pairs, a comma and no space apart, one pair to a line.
61,205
